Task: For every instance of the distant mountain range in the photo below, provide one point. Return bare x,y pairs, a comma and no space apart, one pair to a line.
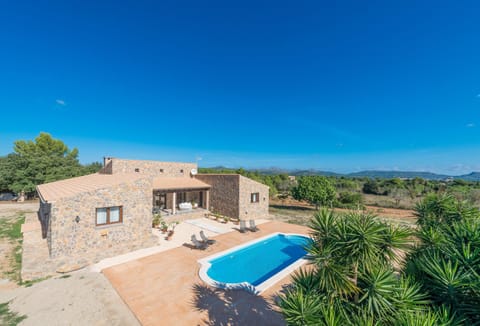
473,176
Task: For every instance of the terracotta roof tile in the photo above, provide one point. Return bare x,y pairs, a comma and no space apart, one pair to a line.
73,186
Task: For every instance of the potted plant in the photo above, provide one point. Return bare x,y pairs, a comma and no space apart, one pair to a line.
223,219
172,230
164,227
156,220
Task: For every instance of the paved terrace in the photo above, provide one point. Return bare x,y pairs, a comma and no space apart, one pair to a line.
165,289
183,233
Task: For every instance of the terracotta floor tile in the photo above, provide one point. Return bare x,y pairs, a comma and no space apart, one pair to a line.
165,289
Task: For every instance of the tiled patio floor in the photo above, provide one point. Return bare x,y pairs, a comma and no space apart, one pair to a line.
183,233
164,288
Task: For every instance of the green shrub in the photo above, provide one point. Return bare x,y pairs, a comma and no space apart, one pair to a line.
349,199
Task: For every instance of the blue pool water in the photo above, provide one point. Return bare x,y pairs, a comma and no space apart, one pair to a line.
259,261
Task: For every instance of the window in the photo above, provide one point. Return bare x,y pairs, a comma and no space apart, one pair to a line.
109,215
181,171
137,170
161,170
254,197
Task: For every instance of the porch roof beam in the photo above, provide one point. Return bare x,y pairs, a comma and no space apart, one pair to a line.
180,190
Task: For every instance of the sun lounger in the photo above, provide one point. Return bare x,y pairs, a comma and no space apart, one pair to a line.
198,244
205,239
243,226
253,227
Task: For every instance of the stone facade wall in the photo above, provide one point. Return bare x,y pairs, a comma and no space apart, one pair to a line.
84,242
149,168
224,194
247,209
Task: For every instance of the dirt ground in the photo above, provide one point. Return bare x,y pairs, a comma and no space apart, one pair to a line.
81,298
9,212
290,210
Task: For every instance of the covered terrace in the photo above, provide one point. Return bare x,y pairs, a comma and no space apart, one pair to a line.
172,196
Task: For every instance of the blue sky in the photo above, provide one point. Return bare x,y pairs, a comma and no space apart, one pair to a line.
333,85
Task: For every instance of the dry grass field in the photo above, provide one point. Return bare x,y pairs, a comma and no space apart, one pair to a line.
293,211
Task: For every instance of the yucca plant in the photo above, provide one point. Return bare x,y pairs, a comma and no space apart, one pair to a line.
409,296
324,227
428,317
396,240
351,269
442,210
447,262
300,307
332,274
378,287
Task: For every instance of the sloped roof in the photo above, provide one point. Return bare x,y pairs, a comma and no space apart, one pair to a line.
178,183
66,188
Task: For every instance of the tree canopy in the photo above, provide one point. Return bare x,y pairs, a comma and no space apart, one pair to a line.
42,160
317,190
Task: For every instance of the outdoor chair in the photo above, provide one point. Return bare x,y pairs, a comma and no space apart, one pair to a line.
197,244
253,227
243,226
205,239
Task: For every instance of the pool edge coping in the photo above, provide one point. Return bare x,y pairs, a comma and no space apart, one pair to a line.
256,290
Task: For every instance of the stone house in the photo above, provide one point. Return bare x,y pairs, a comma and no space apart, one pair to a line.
88,218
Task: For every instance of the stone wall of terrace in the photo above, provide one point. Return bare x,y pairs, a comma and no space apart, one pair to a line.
247,209
148,168
182,216
83,243
224,194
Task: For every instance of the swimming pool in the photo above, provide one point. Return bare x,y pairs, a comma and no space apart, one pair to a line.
256,265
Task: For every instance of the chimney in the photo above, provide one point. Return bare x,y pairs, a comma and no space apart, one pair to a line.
107,165
106,159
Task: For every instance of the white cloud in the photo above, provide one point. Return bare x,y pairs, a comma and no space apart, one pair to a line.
470,125
60,102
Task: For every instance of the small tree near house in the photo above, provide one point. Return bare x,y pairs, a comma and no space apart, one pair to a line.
316,190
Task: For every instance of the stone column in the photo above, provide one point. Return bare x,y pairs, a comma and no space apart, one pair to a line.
174,205
207,199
